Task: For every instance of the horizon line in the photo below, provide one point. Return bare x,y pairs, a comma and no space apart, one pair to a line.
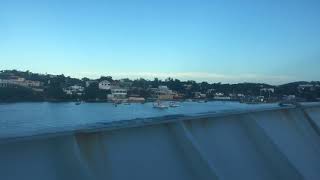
198,77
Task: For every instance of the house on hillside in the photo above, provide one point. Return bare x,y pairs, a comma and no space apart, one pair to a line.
105,85
303,87
18,81
4,83
163,93
74,90
267,90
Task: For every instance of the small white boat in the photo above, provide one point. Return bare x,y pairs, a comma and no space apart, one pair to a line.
173,104
160,105
77,103
117,102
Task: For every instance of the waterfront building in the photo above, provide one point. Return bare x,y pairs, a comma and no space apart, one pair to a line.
222,98
136,99
219,94
117,93
163,93
199,95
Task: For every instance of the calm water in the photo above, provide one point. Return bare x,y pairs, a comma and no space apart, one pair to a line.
20,119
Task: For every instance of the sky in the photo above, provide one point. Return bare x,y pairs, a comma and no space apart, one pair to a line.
270,41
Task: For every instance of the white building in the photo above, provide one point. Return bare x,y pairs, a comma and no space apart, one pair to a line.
32,83
3,83
20,82
305,86
210,91
78,90
219,94
163,93
105,85
164,90
117,93
222,98
199,95
267,90
136,99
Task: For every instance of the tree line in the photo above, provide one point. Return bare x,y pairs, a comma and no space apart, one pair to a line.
53,88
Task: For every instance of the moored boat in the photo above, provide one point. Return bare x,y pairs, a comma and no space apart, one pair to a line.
160,105
173,104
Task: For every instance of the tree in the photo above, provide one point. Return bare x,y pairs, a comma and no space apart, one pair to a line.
17,93
93,92
155,83
107,78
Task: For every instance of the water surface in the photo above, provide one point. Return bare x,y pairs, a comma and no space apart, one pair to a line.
22,119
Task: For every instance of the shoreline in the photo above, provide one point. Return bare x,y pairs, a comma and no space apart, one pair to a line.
108,101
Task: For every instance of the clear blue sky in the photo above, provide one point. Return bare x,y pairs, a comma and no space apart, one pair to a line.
271,41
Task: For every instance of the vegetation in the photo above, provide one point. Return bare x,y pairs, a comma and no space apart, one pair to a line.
19,94
53,86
